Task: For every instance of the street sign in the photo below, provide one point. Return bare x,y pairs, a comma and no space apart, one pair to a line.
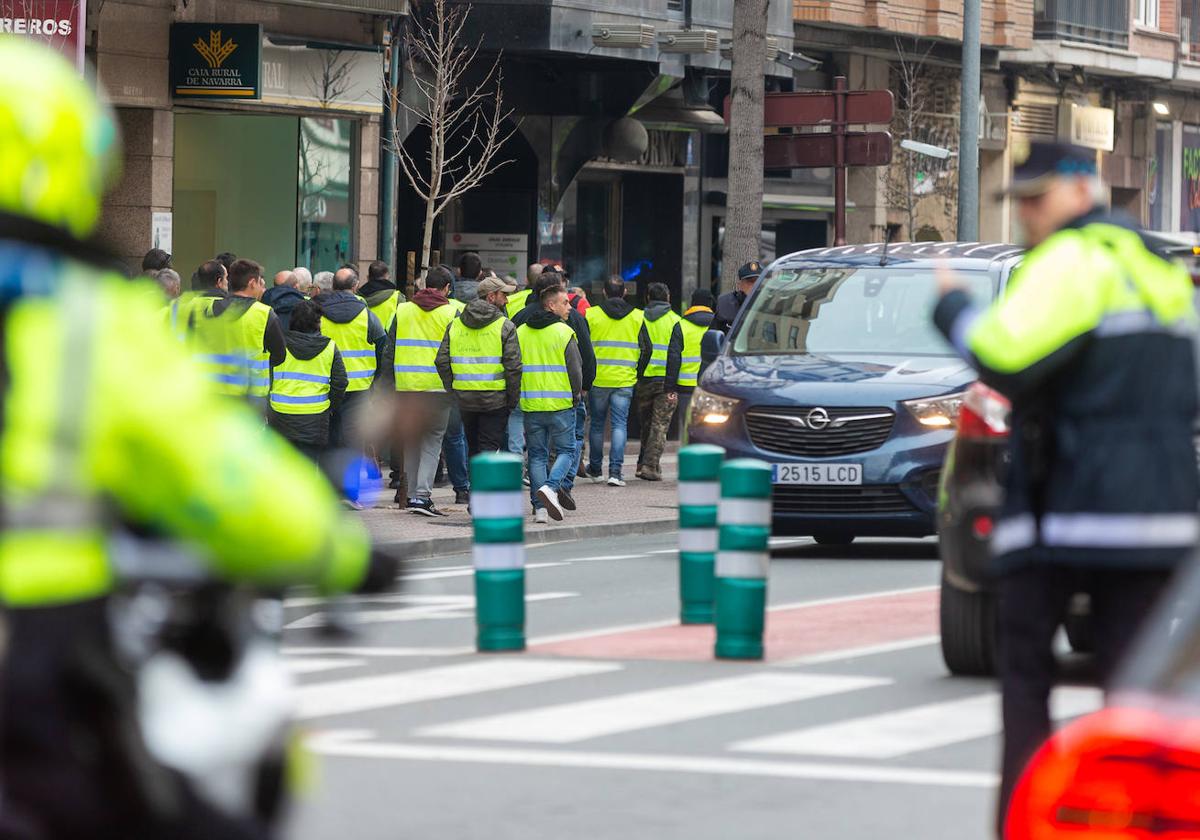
863,107
805,151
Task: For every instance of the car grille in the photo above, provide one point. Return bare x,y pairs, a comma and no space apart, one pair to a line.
880,498
770,430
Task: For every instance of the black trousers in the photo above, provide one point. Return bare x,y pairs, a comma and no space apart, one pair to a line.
1031,604
486,431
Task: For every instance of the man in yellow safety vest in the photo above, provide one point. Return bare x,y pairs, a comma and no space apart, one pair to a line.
361,339
660,356
615,325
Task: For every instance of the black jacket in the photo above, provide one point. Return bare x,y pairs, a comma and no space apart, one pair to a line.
654,311
273,339
583,334
728,307
343,307
543,318
477,315
311,429
283,300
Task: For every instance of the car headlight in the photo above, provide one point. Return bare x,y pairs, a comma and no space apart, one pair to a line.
709,409
937,412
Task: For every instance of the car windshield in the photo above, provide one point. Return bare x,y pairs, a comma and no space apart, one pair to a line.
849,310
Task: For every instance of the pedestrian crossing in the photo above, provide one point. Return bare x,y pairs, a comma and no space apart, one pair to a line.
524,697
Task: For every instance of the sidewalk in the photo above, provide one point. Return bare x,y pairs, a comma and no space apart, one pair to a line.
641,507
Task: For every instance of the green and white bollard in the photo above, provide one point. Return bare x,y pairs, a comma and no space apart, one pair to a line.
744,524
498,511
699,492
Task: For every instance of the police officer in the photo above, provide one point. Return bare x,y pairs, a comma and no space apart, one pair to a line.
1093,343
108,427
730,303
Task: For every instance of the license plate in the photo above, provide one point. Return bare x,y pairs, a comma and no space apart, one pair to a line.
816,473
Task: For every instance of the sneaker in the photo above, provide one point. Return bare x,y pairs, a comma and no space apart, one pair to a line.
424,507
594,474
566,499
352,504
540,517
462,497
525,478
615,481
549,498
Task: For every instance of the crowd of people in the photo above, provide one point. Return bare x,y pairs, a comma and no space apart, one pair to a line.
472,363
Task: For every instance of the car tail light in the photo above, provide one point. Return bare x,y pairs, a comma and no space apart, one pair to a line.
984,414
1120,774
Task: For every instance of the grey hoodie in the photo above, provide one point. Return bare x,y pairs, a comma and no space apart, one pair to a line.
478,314
655,310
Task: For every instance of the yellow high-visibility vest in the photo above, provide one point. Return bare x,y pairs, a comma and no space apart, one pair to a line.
419,334
660,342
616,346
545,382
301,386
358,354
477,356
693,336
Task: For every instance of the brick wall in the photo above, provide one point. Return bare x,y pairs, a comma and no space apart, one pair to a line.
1005,23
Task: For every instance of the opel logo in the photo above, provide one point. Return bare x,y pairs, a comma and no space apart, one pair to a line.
818,419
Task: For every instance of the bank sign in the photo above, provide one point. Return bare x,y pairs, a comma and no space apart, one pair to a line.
216,60
59,24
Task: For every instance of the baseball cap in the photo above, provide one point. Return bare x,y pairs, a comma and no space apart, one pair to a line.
750,269
494,284
1041,161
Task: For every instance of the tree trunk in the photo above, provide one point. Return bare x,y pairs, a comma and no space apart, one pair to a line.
426,245
743,209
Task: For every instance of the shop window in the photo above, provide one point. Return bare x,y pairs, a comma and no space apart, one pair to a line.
1161,178
323,228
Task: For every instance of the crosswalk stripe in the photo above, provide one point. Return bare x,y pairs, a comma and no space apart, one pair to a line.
316,665
894,734
416,686
569,722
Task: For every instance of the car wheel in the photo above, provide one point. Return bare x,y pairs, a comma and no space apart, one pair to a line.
968,626
833,539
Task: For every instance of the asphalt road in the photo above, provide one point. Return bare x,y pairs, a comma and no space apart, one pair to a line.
617,723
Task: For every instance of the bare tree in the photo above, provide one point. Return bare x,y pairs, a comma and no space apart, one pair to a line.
743,211
915,180
330,79
454,109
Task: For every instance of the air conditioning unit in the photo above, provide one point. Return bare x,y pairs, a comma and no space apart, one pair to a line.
689,41
772,48
634,36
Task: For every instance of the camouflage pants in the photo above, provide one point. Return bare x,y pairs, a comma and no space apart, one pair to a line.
654,413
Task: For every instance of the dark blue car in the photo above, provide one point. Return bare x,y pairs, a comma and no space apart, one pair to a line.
835,375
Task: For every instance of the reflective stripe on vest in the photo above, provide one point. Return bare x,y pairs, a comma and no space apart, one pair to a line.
516,302
301,386
693,337
418,336
545,383
358,354
386,311
230,350
477,356
660,342
616,346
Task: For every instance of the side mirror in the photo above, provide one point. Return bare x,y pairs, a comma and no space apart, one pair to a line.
713,342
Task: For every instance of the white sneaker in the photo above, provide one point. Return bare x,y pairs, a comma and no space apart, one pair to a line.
540,517
616,481
549,498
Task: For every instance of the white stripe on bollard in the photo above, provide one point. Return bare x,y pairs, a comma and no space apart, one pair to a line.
699,493
742,564
492,557
497,505
698,540
744,512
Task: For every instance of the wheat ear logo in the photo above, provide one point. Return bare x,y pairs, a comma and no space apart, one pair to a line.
215,51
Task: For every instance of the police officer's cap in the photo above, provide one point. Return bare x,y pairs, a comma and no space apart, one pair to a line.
750,270
1041,161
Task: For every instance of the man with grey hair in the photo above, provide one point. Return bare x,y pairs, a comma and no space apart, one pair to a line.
283,296
171,283
323,281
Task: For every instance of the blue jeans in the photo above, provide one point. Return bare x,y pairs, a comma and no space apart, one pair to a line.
580,423
516,432
454,450
602,401
544,429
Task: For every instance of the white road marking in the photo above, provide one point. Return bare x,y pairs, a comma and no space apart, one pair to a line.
470,571
377,692
342,744
316,665
865,650
570,722
606,557
377,651
451,607
894,734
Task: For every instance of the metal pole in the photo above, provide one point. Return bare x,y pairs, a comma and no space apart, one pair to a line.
968,126
387,162
839,170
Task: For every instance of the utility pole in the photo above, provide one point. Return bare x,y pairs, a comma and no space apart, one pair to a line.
968,127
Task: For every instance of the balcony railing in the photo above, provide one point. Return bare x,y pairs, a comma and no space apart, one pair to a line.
1101,22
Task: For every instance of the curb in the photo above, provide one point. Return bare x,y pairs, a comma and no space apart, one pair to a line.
442,546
